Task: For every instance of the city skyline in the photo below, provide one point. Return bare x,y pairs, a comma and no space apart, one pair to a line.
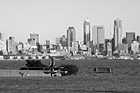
51,18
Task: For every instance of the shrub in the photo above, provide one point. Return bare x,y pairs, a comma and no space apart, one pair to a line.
35,63
72,69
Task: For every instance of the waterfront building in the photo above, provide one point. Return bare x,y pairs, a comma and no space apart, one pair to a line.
86,32
48,42
20,46
99,38
135,47
75,47
58,40
109,49
138,39
71,36
11,45
64,41
117,33
2,47
1,36
35,36
32,42
130,36
123,49
98,35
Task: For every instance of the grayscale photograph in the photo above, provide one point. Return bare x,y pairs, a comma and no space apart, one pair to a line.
69,46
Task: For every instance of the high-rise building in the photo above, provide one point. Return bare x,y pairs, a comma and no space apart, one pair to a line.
130,36
135,47
58,40
34,36
99,38
109,49
71,36
27,46
1,36
98,35
64,41
123,49
20,46
2,46
117,32
86,32
32,42
48,42
75,47
138,39
11,45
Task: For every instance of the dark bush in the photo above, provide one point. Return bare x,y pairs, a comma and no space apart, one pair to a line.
35,63
72,69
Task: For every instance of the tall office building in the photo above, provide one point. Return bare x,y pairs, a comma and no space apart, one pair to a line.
109,49
58,40
34,36
71,36
117,33
86,32
32,42
99,38
130,36
2,47
75,47
138,39
1,36
20,46
48,43
63,41
98,33
11,45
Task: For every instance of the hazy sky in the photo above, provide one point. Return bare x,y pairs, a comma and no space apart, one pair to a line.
51,18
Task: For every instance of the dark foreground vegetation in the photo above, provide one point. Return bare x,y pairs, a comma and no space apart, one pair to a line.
38,65
124,79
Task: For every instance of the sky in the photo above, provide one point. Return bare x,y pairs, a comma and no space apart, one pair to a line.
51,18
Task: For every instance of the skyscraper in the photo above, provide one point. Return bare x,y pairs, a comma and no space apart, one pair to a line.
1,36
138,39
11,45
48,43
86,32
58,40
64,41
117,32
130,36
34,36
75,47
71,36
99,38
32,41
98,33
